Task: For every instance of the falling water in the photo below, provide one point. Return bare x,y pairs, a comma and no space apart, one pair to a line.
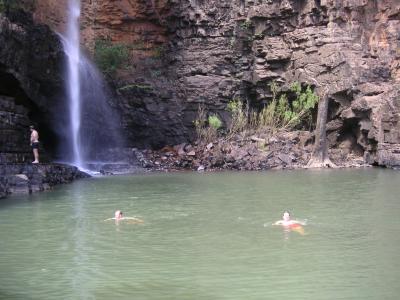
71,47
93,124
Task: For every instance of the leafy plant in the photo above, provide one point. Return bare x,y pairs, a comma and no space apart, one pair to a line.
110,56
245,25
239,116
258,36
280,113
214,122
303,104
206,128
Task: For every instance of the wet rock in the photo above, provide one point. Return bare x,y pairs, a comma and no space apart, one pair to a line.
27,178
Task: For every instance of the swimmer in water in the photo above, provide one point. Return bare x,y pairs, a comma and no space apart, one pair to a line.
288,223
118,216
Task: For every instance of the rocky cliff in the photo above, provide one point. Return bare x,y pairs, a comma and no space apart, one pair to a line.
215,51
31,62
190,52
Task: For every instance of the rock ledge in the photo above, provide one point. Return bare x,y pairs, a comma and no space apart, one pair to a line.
28,178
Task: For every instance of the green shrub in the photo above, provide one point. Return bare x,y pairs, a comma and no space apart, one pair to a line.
258,36
214,122
239,117
206,128
245,25
109,57
278,114
303,104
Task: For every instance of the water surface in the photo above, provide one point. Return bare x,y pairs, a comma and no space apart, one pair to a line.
206,236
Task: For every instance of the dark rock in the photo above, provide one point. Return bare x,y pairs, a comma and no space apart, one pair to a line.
31,83
4,187
28,178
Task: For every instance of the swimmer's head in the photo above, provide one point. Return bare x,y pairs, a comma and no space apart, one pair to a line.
118,214
286,216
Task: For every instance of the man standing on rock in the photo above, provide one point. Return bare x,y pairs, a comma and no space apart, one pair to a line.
35,144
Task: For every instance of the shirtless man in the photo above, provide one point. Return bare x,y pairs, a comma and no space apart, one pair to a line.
287,222
291,225
35,144
118,216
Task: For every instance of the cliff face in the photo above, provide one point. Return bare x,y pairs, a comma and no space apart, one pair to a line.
31,62
190,52
215,51
50,12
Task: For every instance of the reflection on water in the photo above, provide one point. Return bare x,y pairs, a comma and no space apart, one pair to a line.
206,236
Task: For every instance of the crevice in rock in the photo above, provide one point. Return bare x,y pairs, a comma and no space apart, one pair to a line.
11,87
350,136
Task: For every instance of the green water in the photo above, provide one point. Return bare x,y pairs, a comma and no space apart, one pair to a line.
206,236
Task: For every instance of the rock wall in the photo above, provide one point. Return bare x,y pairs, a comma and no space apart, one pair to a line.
50,12
144,88
31,85
14,131
215,51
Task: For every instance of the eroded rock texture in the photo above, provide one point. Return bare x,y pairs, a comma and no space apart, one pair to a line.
30,85
189,52
25,178
214,51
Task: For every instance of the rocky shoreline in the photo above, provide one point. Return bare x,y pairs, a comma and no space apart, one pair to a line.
253,152
29,178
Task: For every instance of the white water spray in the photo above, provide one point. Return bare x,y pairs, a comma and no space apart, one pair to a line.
93,123
71,47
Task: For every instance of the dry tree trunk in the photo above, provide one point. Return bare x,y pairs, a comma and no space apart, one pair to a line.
319,156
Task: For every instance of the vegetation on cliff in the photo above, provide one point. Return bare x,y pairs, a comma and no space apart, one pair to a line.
12,5
207,127
110,56
286,111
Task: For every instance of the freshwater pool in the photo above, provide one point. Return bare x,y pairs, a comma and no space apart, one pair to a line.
206,236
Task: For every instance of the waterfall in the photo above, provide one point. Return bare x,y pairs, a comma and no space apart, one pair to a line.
93,126
72,49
